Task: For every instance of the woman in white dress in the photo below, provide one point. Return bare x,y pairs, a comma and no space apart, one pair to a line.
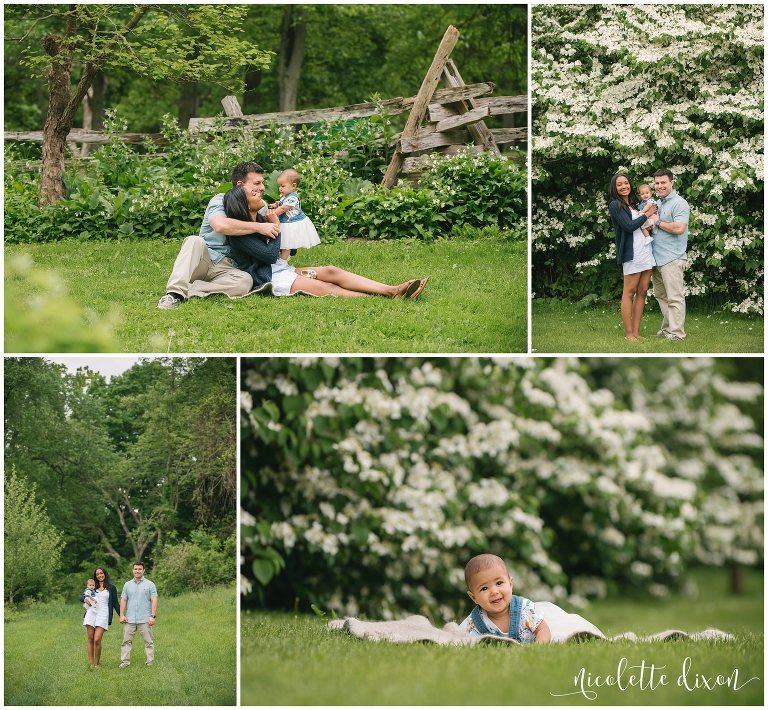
632,251
98,616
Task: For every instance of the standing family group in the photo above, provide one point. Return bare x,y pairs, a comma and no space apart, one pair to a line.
137,609
651,239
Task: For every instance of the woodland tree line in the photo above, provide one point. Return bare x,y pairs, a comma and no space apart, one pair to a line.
140,467
320,55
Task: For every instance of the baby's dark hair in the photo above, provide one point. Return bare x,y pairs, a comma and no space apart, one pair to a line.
291,175
480,564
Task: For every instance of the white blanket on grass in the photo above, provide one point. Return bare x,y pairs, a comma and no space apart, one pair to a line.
563,626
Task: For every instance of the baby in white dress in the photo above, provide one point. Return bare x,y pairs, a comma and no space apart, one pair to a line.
296,229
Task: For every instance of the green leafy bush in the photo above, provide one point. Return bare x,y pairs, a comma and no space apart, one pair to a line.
123,192
374,480
41,318
32,545
194,564
625,88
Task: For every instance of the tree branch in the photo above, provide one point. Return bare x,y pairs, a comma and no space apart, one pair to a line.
110,550
34,24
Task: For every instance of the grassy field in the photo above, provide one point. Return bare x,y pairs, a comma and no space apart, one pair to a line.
195,656
560,327
475,300
287,660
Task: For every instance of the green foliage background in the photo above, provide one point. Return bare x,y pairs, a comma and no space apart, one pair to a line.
378,50
635,89
140,466
32,546
373,48
368,483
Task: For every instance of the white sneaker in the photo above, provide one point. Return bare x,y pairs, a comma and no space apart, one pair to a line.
168,301
124,664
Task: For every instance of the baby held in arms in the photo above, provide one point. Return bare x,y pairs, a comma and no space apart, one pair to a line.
498,611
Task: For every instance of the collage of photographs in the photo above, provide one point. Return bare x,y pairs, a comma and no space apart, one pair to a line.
537,479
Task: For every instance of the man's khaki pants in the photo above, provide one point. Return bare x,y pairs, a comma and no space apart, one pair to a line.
129,631
669,291
194,274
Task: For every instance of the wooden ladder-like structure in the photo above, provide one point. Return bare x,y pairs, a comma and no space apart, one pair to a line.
466,113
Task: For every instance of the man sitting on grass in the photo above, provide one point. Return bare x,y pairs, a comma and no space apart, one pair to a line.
205,264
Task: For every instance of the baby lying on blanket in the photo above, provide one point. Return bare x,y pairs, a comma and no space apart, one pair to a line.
500,617
498,611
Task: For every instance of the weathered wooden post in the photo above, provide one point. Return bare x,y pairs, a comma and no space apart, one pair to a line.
423,98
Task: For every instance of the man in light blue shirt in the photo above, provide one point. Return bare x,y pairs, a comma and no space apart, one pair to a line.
204,264
669,250
138,610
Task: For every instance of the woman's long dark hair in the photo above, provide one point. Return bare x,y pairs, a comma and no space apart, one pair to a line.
236,204
613,193
106,578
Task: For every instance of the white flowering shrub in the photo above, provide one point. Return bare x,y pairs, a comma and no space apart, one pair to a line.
636,88
368,483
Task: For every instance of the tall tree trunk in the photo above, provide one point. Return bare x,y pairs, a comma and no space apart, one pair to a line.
99,87
737,578
252,93
189,103
41,100
93,107
62,104
290,55
56,125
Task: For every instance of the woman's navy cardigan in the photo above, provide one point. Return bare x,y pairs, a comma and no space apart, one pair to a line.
623,229
113,603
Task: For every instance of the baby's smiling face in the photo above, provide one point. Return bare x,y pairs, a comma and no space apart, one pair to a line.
645,192
491,589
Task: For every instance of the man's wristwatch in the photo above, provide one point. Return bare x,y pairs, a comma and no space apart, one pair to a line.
152,616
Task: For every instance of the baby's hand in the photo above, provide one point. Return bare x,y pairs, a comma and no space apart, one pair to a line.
274,205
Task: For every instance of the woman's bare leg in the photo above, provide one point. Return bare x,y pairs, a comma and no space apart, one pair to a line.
639,302
98,632
627,296
353,282
322,288
89,630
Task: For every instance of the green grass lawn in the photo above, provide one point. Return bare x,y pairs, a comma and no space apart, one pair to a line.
560,327
475,300
290,660
46,662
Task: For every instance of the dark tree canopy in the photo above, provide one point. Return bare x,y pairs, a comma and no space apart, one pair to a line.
124,466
